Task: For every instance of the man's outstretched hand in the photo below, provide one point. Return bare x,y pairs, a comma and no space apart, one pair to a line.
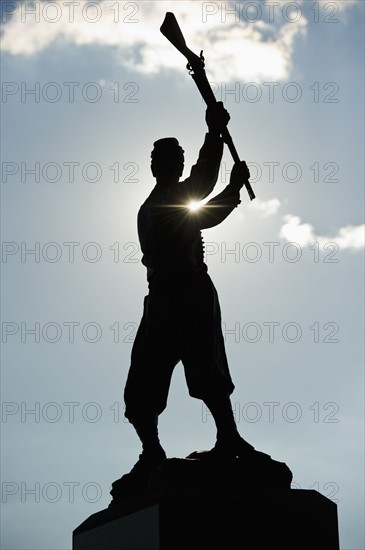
217,118
240,175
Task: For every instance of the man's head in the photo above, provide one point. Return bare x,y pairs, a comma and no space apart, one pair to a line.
167,159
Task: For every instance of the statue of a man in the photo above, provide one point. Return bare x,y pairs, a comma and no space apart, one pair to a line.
181,317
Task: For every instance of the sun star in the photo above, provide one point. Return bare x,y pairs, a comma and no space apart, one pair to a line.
194,205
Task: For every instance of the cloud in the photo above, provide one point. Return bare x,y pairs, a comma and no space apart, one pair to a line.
235,50
265,208
349,237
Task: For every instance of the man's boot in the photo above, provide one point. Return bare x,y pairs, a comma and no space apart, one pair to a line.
135,483
152,452
229,443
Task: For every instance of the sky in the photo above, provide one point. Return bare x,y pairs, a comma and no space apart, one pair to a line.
87,87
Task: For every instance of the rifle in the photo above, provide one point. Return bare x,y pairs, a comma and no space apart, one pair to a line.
171,30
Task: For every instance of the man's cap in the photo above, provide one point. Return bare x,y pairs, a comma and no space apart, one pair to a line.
166,146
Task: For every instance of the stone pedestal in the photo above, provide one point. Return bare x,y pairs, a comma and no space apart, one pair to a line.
178,519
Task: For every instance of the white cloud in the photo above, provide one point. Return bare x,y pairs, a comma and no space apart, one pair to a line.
234,50
265,208
349,237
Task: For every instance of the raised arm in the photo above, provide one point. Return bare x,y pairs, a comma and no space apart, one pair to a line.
219,207
204,173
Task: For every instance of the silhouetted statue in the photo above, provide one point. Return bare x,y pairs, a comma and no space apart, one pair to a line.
181,318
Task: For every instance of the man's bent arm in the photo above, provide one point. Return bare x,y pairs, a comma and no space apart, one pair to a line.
219,207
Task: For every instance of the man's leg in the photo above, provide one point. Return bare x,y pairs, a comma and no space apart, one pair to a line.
146,389
154,356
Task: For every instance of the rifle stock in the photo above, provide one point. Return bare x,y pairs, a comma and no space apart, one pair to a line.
171,30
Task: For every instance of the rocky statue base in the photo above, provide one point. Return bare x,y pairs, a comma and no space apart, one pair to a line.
202,502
